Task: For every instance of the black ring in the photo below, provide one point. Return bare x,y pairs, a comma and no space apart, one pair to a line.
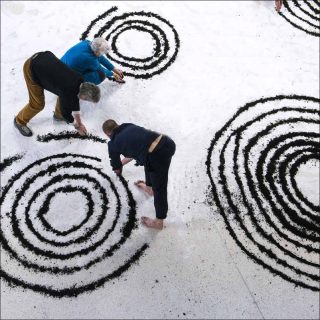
124,230
164,52
248,164
303,15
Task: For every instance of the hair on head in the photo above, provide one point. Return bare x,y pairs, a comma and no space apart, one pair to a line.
109,125
90,91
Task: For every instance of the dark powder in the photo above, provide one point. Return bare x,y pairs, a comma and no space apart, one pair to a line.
135,21
67,135
7,162
284,147
54,170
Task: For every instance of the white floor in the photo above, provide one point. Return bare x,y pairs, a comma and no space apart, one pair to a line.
231,53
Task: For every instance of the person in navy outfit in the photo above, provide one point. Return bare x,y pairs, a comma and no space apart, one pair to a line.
87,58
151,150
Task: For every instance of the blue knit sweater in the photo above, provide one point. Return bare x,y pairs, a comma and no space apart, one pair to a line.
81,58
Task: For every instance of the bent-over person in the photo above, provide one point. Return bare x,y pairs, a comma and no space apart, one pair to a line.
44,71
151,150
86,57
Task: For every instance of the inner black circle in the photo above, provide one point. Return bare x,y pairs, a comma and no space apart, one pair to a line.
165,49
65,190
160,51
45,208
156,48
293,171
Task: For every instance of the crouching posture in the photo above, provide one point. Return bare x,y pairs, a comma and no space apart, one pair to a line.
87,58
151,150
45,71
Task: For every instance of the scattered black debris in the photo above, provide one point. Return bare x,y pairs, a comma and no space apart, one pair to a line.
52,168
261,187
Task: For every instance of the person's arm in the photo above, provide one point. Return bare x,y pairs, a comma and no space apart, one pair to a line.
65,110
115,161
278,4
79,126
70,110
124,161
106,63
117,74
107,72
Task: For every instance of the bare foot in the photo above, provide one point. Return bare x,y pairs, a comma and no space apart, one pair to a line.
142,185
152,223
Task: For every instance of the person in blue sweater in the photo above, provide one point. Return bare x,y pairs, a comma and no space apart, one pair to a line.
151,150
87,58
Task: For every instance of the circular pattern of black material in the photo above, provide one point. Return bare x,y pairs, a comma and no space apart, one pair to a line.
303,15
81,257
252,164
9,161
67,135
165,38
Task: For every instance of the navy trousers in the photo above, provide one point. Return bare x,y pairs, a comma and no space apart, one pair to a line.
156,172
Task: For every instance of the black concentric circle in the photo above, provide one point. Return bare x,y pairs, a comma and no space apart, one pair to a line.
165,38
303,15
66,260
252,165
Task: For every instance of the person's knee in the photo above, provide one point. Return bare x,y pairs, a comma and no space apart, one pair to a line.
37,105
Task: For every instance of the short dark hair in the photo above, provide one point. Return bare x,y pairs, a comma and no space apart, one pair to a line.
109,125
90,91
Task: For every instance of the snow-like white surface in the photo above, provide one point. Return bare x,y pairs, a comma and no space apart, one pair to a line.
231,53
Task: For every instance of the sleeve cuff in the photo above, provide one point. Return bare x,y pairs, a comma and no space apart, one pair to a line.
76,112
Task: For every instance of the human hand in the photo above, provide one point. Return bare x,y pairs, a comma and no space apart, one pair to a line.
278,4
118,72
81,129
118,172
117,78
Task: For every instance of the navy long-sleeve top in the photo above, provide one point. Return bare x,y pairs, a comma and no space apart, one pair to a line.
82,59
53,75
130,141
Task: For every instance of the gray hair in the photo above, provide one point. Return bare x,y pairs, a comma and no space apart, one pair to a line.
89,91
100,46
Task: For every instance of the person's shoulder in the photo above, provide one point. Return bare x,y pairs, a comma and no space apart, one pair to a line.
127,125
84,43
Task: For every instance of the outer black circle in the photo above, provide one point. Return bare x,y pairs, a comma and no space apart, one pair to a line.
77,288
303,15
164,52
248,165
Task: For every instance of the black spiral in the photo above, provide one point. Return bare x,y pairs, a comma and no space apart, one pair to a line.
252,164
67,261
165,38
303,15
